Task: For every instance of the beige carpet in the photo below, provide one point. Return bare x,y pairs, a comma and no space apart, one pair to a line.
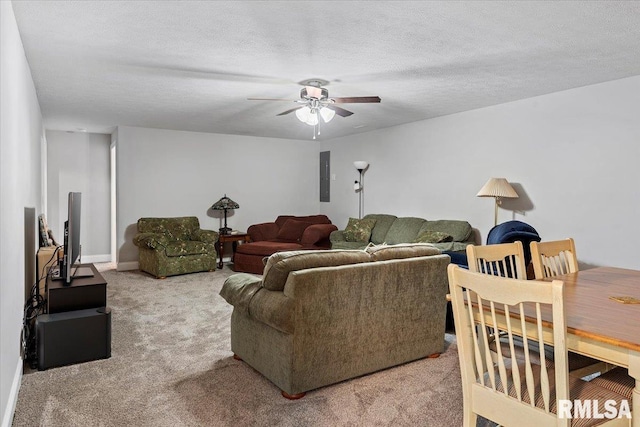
171,365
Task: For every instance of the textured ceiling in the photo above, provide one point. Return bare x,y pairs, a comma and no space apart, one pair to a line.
191,65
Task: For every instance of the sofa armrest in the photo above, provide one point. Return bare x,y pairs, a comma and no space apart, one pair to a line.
337,236
263,231
239,289
246,294
274,309
318,235
206,236
150,240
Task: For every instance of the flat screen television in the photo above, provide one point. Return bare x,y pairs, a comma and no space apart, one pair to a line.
71,238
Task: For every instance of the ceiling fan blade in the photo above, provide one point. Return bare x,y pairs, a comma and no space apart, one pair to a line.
289,111
356,99
339,111
271,99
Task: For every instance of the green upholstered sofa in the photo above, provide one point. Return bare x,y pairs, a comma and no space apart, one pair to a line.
392,230
171,246
320,317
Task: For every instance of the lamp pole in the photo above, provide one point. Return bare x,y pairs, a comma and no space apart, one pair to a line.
360,165
360,195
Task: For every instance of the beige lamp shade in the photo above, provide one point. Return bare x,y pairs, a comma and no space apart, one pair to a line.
498,187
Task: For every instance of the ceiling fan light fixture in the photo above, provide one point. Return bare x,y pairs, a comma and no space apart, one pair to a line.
327,114
313,118
303,114
314,103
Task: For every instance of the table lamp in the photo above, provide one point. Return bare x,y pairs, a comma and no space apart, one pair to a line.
224,204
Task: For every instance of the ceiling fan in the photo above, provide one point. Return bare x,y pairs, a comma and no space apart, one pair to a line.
315,104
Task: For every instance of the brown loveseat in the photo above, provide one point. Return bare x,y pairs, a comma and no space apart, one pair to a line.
286,233
320,317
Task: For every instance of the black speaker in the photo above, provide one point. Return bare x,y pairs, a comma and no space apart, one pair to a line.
73,337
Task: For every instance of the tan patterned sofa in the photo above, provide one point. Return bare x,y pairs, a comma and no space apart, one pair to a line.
171,246
320,317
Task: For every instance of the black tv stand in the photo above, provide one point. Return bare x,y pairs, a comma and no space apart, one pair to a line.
77,326
81,293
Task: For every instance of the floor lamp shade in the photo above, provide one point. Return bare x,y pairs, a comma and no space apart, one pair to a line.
498,188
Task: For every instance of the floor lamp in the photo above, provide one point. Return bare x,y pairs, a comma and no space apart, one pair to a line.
498,188
361,165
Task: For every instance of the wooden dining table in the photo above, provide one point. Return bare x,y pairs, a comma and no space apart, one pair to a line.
600,327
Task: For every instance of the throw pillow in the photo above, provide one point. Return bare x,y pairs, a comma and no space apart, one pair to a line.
429,236
292,230
359,230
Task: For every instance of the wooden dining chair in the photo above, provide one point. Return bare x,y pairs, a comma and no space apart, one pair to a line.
505,259
522,394
553,258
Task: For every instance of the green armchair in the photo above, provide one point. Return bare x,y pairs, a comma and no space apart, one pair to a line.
172,246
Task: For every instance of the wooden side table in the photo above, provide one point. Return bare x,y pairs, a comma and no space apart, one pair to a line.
234,238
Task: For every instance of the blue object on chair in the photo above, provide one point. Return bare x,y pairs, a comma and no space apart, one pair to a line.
512,231
507,232
459,258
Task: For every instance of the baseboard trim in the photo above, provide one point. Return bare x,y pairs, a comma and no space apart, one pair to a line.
96,258
10,409
127,266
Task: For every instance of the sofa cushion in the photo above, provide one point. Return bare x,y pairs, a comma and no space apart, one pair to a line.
292,230
317,235
280,264
313,219
452,246
179,228
348,245
383,223
404,230
266,248
406,250
359,230
459,230
183,247
428,236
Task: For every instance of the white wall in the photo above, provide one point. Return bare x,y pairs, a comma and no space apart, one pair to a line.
21,136
164,173
79,161
574,155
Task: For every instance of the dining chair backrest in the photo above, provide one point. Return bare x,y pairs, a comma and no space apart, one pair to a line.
554,258
500,391
505,259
